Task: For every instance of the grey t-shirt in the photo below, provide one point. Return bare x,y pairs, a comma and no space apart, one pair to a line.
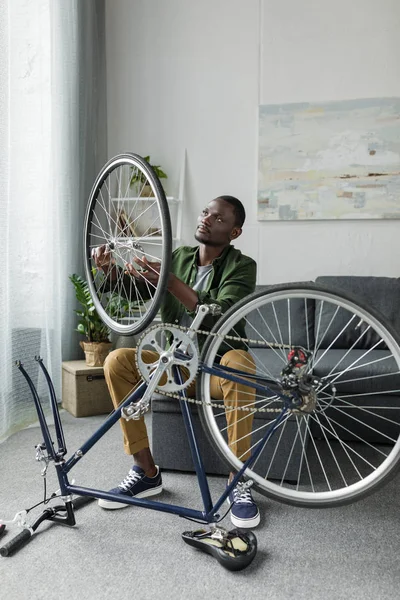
200,284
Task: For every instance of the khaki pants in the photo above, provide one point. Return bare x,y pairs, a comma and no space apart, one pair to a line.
122,376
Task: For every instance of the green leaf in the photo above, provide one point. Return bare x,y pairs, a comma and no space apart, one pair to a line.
89,323
137,176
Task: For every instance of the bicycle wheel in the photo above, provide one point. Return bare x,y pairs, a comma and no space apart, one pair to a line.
340,362
128,213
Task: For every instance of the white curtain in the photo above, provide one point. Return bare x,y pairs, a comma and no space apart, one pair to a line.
52,144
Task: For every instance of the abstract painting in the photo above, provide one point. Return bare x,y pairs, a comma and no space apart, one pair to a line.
332,160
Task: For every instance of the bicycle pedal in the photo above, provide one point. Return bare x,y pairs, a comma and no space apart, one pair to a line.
234,550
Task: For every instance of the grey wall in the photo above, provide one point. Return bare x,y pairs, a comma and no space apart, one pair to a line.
187,74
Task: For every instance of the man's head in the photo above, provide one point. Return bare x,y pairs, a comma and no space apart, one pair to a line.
220,221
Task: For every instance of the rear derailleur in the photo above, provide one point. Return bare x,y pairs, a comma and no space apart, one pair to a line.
297,380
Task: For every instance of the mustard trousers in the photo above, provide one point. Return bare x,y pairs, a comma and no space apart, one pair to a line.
122,377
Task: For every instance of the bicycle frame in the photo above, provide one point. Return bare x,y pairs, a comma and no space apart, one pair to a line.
63,467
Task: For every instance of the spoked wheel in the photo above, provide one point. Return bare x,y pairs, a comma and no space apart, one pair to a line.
128,214
340,363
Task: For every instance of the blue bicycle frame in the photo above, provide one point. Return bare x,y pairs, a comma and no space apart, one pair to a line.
63,467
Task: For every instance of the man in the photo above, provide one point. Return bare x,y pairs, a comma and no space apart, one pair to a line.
213,272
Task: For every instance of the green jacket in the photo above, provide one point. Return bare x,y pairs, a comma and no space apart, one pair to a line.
233,277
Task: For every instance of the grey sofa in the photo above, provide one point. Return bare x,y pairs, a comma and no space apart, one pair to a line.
169,442
383,295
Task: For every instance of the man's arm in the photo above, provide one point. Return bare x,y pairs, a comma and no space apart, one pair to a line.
183,292
234,285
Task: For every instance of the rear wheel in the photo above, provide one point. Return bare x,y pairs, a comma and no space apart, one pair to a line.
127,213
341,362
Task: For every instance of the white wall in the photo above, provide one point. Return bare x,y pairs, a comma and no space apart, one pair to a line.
189,74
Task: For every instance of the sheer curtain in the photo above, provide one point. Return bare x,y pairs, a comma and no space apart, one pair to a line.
52,144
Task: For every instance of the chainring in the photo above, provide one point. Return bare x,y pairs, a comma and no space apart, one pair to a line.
178,350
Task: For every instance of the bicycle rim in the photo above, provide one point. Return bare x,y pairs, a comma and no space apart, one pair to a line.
346,443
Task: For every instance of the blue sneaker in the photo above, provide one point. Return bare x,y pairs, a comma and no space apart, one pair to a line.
244,511
136,485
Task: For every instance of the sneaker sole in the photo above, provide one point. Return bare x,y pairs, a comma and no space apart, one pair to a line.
246,523
111,505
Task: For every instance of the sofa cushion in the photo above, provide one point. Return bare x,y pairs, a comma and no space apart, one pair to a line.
276,323
269,362
379,293
282,460
359,373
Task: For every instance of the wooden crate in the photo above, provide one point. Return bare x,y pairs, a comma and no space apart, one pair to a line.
84,389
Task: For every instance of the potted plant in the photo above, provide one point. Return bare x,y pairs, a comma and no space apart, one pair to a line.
98,344
139,181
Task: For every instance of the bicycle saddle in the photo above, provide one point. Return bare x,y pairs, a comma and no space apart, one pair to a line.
233,549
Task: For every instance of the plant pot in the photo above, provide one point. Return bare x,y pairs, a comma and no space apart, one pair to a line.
146,191
95,352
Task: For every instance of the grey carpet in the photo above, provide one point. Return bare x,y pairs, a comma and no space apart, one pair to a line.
344,553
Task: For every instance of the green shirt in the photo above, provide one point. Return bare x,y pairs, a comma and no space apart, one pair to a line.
233,277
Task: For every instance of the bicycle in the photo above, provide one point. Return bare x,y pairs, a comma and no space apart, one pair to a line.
317,384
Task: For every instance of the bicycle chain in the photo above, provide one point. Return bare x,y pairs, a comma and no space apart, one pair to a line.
224,337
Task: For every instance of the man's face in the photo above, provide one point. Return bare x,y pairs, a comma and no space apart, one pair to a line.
216,224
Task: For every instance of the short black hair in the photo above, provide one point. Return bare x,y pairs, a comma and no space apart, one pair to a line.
238,209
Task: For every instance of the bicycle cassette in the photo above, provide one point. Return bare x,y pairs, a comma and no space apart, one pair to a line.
174,348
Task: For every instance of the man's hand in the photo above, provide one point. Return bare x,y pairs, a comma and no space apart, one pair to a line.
102,258
149,271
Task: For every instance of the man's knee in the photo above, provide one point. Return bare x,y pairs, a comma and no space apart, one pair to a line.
239,359
119,361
